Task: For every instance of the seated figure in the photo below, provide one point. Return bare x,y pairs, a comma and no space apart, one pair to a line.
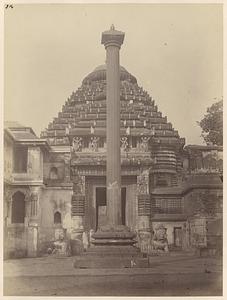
160,241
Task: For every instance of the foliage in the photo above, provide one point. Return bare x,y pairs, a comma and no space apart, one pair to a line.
212,124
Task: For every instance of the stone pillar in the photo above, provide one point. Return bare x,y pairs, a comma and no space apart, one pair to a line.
77,212
67,167
32,239
112,40
144,211
6,220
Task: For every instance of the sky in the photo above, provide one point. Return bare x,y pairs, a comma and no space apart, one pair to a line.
174,50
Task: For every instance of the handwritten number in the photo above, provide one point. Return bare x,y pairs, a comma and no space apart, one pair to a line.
8,6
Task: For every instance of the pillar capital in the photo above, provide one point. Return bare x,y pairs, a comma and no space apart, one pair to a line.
112,37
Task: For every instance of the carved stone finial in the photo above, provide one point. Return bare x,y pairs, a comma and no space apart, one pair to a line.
112,36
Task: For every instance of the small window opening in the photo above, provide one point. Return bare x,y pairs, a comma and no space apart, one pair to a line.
53,173
20,159
57,218
134,142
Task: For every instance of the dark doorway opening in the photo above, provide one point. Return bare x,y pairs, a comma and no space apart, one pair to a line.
177,237
18,207
101,216
123,205
101,212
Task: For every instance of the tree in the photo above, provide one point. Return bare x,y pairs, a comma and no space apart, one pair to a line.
212,124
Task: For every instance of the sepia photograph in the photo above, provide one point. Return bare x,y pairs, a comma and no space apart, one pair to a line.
113,149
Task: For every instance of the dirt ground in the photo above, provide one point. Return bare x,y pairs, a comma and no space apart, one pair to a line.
176,276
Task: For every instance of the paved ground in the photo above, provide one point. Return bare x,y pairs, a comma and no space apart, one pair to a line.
167,276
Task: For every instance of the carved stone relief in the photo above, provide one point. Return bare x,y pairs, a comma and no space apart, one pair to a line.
79,185
144,146
94,143
124,143
77,144
143,183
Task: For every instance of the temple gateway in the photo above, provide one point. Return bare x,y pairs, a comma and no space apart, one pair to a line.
109,170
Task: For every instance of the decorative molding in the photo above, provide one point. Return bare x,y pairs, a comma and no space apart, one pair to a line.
78,205
144,205
77,144
124,143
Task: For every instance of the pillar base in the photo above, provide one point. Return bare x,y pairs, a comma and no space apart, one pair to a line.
117,235
76,242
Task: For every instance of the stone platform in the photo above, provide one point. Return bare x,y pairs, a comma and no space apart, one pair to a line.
113,257
119,235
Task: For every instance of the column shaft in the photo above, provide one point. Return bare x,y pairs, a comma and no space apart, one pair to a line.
113,136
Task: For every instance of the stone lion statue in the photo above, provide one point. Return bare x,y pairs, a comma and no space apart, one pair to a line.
160,241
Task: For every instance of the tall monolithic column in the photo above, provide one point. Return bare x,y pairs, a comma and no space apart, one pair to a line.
112,40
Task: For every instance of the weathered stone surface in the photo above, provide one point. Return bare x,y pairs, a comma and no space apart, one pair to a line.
151,161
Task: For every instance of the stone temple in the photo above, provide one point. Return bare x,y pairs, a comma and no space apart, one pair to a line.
112,168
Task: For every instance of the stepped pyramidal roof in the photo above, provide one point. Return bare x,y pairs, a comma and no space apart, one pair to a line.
84,112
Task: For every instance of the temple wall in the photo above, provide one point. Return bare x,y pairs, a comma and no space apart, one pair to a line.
204,201
131,206
34,172
56,168
8,159
60,167
35,163
15,234
54,200
170,231
16,243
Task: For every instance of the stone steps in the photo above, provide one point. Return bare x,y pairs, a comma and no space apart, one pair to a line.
120,257
111,257
119,250
109,262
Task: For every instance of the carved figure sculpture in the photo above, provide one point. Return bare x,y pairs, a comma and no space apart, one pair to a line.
78,185
94,143
144,241
160,241
144,143
77,144
61,245
124,143
142,184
